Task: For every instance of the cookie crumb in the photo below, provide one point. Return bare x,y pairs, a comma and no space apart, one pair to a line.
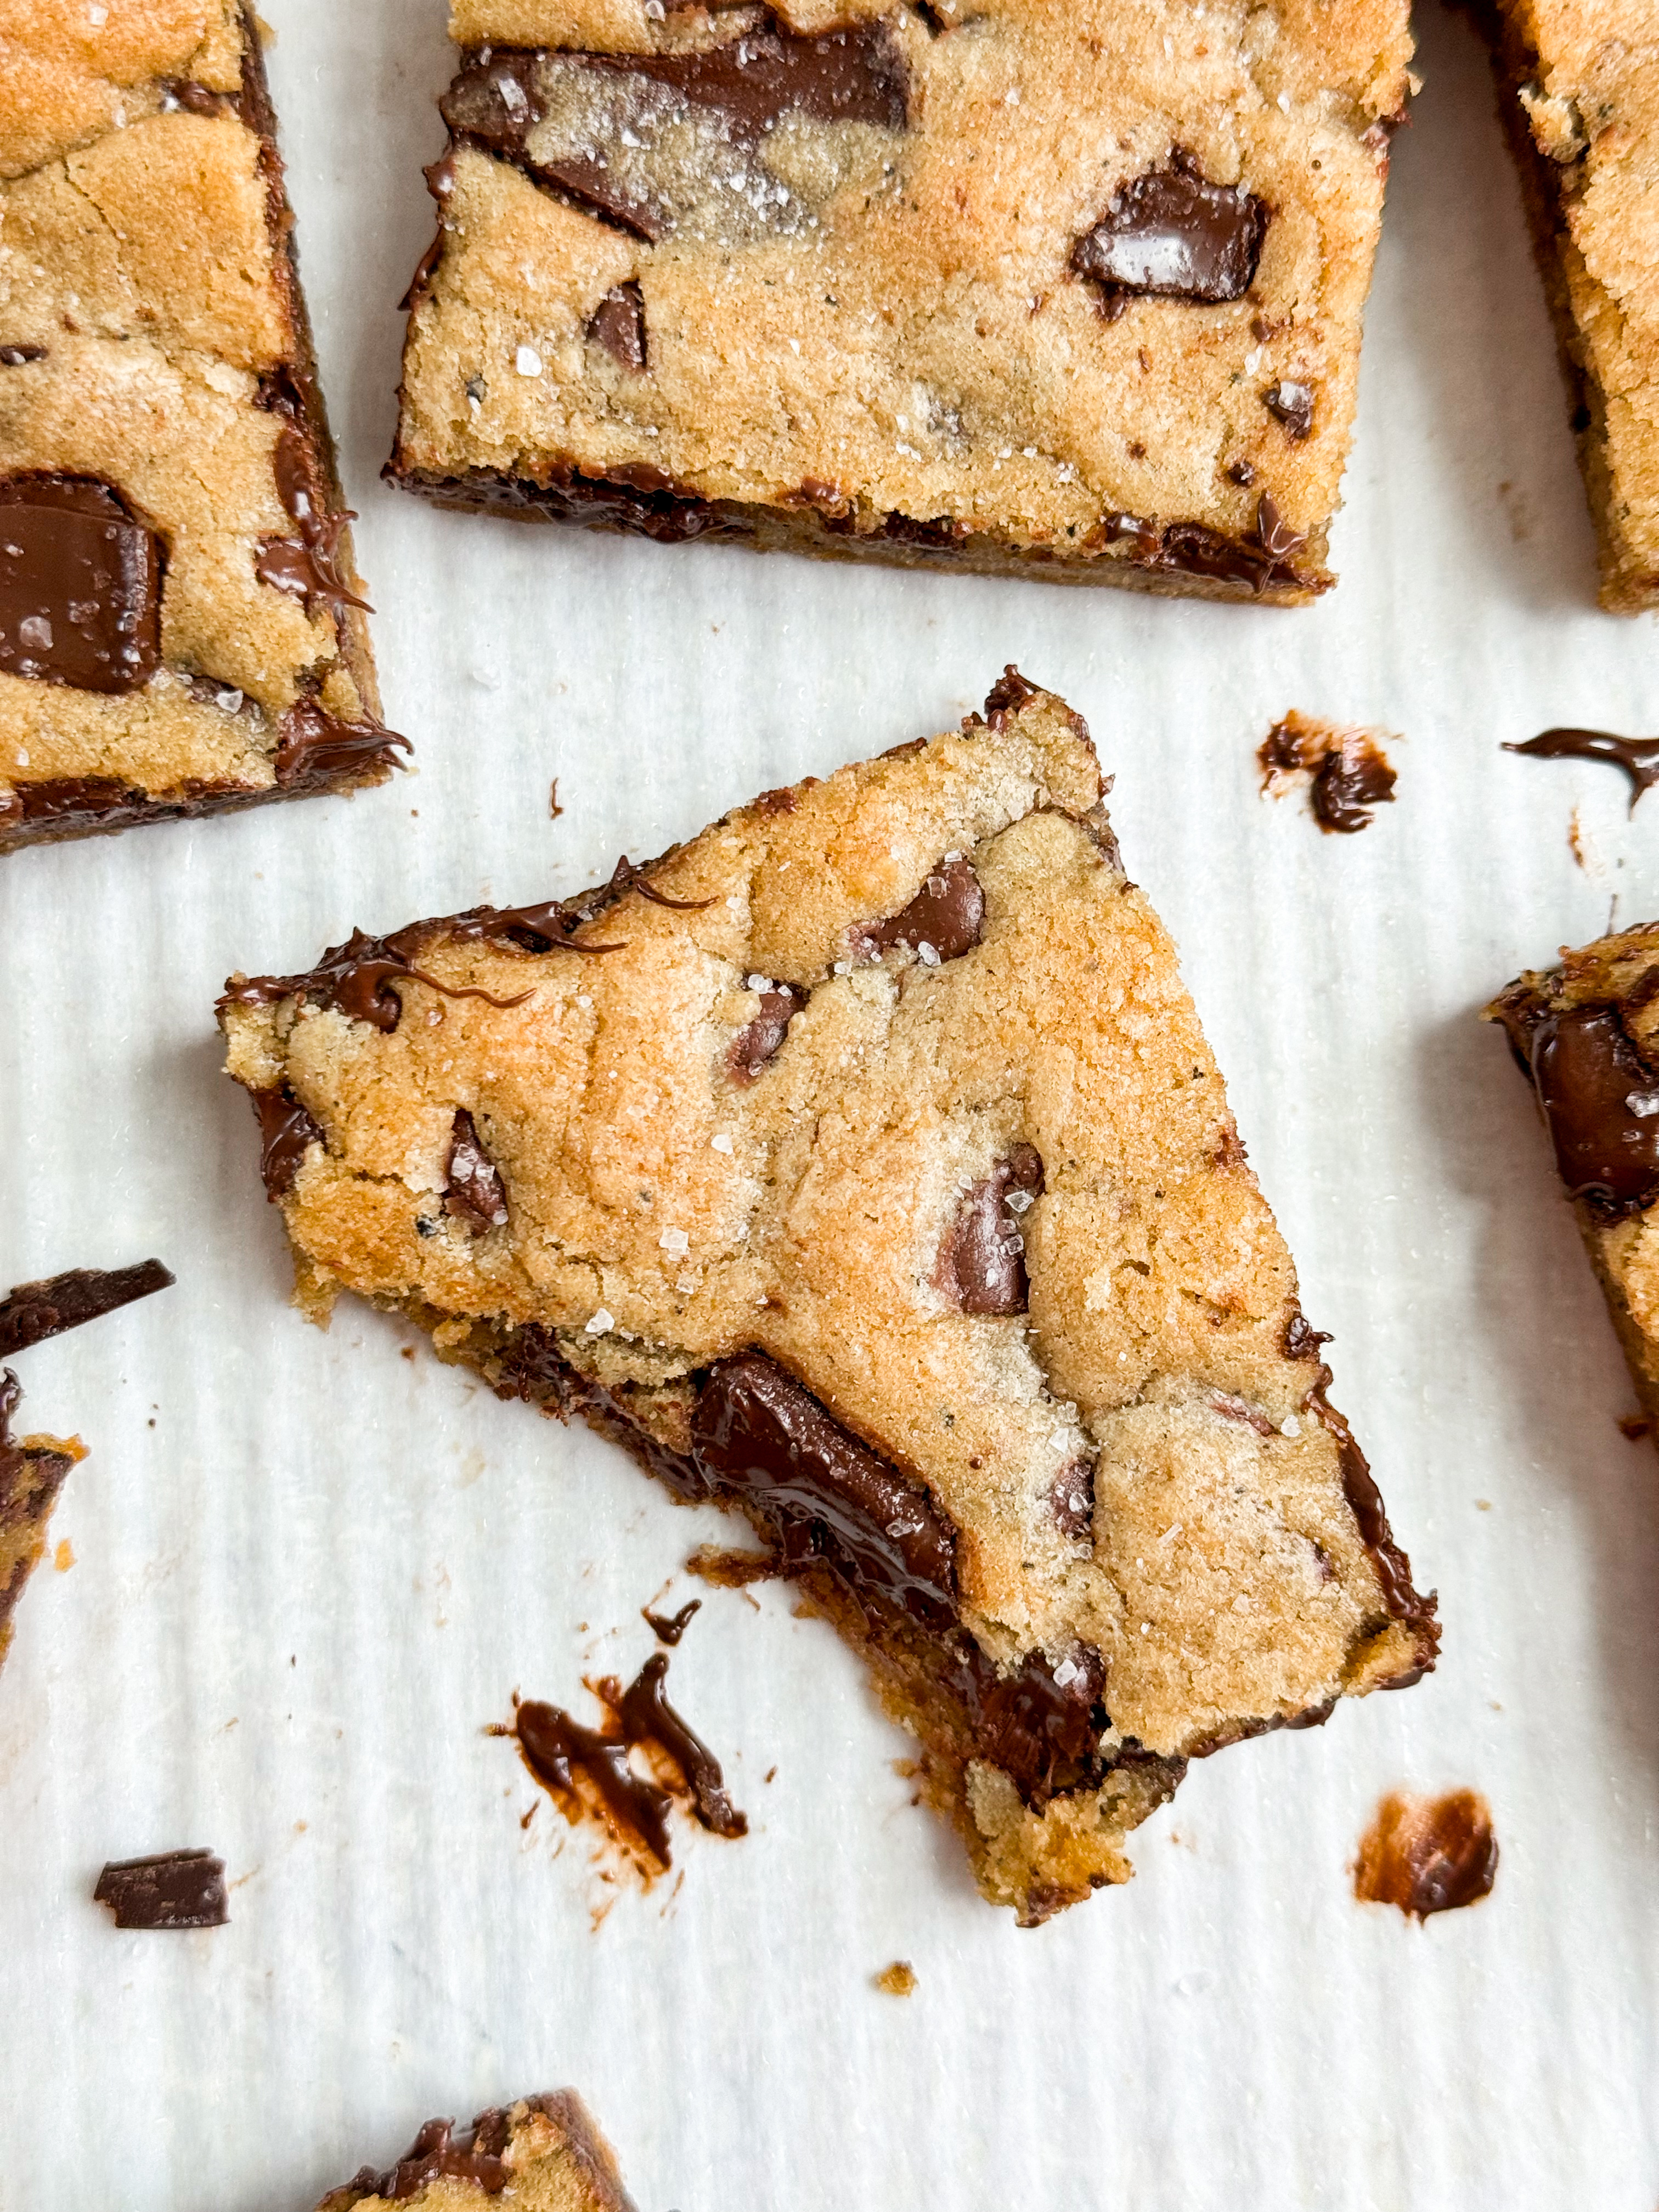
899,1980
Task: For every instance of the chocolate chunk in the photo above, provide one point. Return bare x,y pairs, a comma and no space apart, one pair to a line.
306,567
1172,235
1072,1500
473,1193
944,916
19,356
1427,1854
1277,540
753,1046
1242,472
35,1311
437,2151
1042,1730
670,1627
1349,770
1302,1341
313,745
981,1262
534,1368
618,324
1600,1102
1293,404
647,1716
1637,757
176,1889
80,586
285,1130
756,1432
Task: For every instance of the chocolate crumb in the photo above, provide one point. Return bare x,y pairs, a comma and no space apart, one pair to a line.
176,1889
1348,770
1427,1854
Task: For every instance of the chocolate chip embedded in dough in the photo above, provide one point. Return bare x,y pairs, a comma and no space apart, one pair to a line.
754,1045
945,916
474,1192
80,586
1600,1102
618,325
981,1262
1172,235
285,1131
1072,1500
1293,404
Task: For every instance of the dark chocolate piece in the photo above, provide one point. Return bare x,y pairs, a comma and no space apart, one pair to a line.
647,1716
618,324
473,1192
1428,1854
668,1628
757,1432
1072,1500
1293,404
176,1889
1601,1103
285,1130
19,356
1637,757
313,745
80,586
756,1044
1350,771
35,1311
1172,235
474,2156
944,916
1042,1730
981,1262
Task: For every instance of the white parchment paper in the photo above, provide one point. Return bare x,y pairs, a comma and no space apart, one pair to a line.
309,1572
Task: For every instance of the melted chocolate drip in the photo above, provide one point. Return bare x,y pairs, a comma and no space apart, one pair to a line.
176,1889
647,1716
946,914
35,1311
307,567
1427,1854
1591,1081
437,2151
670,1627
1172,235
473,1191
625,876
618,324
1394,1569
1637,757
313,745
285,1130
981,1262
357,978
754,1045
1293,404
1192,549
80,586
1350,771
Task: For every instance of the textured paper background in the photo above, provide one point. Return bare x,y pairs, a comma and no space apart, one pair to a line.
308,1573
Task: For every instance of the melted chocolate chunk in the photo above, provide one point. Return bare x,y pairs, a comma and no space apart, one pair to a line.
756,1043
473,1192
1427,1854
1042,1731
176,1889
981,1262
1192,549
1172,235
306,567
945,915
315,746
1005,696
618,324
1293,404
357,977
668,1628
1302,1341
1637,757
285,1130
1601,1106
757,1433
1072,1500
1394,1569
1350,771
35,1311
437,2151
80,586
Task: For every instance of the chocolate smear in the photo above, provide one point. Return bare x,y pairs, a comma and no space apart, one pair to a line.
1172,235
1293,404
981,1262
437,2151
176,1889
1394,1569
757,1042
285,1131
80,586
1638,757
1601,1105
1349,772
357,978
647,1716
473,1191
618,324
307,568
35,1311
942,920
668,1628
1427,1854
313,745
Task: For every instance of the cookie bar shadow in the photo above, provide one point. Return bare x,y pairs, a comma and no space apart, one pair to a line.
1477,395
1535,1324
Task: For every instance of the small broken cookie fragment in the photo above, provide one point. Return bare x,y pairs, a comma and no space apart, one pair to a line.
1638,757
898,1980
1427,1855
473,1191
174,1889
1347,770
32,1473
542,2152
35,1311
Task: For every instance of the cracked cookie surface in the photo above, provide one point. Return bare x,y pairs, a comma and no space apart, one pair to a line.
862,1164
996,284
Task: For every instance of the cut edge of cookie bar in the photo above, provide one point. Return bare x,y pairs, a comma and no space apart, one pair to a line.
332,738
32,1473
1546,139
576,288
970,1339
543,2153
1585,1035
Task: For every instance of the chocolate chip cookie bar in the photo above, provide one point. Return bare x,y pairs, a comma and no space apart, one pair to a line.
32,1472
1578,87
543,2154
1586,1036
1070,292
181,624
861,1166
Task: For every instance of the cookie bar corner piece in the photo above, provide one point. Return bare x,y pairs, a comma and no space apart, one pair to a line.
1072,293
181,622
1586,1036
32,1473
543,2153
862,1166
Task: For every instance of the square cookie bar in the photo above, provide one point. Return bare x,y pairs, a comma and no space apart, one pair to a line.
1578,88
1003,285
181,624
542,2154
861,1166
1586,1036
32,1472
